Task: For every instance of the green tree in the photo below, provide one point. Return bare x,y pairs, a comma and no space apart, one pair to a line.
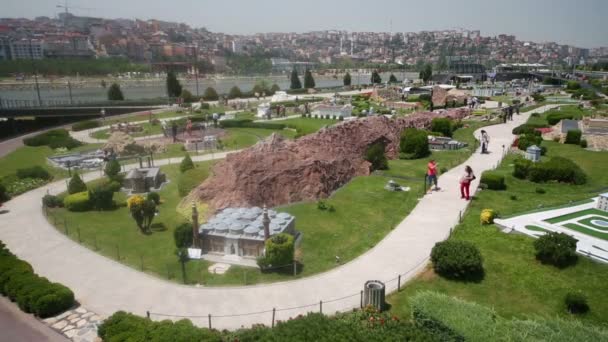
186,164
76,184
376,77
309,81
235,92
261,87
183,235
143,213
346,79
375,155
427,72
174,88
275,87
295,80
279,250
414,144
392,79
210,94
187,96
114,93
112,169
442,125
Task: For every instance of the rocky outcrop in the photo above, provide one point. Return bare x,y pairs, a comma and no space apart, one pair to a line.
278,171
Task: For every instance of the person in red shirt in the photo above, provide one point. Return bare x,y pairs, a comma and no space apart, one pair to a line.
431,175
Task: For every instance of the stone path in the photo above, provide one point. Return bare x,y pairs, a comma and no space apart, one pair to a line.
105,286
78,324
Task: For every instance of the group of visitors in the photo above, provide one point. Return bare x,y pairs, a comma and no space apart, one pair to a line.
465,180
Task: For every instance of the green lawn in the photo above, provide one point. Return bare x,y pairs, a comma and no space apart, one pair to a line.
537,229
576,214
586,231
588,222
148,129
515,284
365,213
308,125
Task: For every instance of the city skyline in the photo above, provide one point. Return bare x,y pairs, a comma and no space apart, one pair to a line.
541,21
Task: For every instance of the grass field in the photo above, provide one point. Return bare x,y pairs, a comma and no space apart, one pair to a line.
576,214
308,125
586,231
515,284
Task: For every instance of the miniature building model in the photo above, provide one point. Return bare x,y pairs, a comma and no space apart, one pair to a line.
332,110
143,179
243,231
533,153
444,143
602,202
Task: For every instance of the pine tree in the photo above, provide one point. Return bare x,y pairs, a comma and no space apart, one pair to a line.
392,79
112,169
186,164
174,88
76,184
309,81
295,80
376,77
347,79
114,93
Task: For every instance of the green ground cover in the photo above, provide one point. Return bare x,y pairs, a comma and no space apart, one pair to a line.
576,214
308,125
365,213
537,229
588,222
515,284
586,231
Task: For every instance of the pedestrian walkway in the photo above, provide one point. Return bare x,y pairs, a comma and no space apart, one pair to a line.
105,286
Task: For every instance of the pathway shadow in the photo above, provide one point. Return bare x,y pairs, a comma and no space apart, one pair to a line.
158,227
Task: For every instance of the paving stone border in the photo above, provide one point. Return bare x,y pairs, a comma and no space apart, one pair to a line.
79,325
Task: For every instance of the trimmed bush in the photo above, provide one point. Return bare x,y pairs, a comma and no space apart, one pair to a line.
101,197
443,126
540,191
186,164
557,249
493,180
182,235
34,172
487,216
414,144
51,201
112,169
576,302
583,143
557,169
554,117
81,126
3,194
376,157
526,140
77,202
279,250
573,137
456,259
521,168
55,138
76,184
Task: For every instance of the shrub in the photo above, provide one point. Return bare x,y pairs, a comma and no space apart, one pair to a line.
55,138
538,97
154,197
583,143
190,180
557,249
554,117
527,128
210,94
494,180
521,168
487,216
573,137
34,172
183,235
76,184
513,197
540,191
321,205
456,259
3,193
576,302
251,124
526,140
112,169
186,164
279,250
77,202
51,201
442,125
557,169
101,197
376,157
414,144
82,125
142,211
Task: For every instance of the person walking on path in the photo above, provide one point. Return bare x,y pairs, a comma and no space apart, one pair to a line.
485,140
431,175
465,182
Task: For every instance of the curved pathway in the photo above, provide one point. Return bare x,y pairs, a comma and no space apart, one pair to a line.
105,286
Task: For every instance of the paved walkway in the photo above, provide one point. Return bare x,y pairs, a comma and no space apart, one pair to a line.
105,286
18,326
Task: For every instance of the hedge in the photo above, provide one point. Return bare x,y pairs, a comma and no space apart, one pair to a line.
554,117
573,137
33,294
101,196
452,319
557,169
77,202
493,180
34,172
457,259
81,126
251,124
55,138
442,125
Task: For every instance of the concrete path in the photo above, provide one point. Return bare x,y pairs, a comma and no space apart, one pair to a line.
105,286
17,326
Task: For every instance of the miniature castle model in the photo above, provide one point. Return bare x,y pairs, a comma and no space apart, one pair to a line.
243,231
143,180
332,110
602,202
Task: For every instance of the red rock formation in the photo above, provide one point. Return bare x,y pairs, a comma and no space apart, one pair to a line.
278,171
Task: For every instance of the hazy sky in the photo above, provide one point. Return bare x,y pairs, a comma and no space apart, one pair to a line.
576,22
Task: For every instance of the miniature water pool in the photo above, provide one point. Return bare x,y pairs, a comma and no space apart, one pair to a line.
600,223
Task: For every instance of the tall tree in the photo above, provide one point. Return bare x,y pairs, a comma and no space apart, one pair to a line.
376,77
235,92
174,88
347,79
426,73
114,93
309,81
392,79
295,80
210,94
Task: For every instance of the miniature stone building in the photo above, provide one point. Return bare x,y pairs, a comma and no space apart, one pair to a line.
243,231
444,143
143,180
332,110
533,153
602,202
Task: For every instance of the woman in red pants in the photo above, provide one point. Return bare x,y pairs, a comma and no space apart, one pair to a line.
465,182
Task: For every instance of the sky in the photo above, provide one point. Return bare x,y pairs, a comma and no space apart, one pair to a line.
574,22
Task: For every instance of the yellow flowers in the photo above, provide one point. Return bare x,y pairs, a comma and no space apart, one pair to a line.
135,201
487,216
